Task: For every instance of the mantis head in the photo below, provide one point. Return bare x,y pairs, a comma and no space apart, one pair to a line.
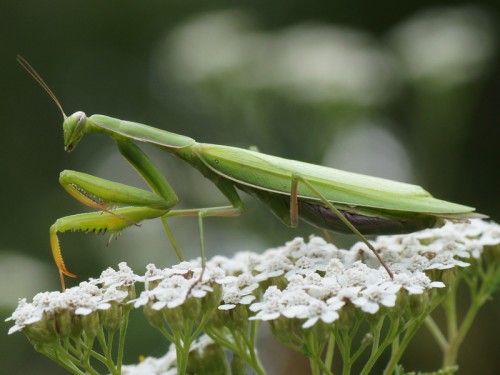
74,128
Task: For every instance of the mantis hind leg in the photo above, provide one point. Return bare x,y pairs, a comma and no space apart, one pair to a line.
294,214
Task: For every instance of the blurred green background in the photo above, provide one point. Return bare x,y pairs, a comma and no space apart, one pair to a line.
404,90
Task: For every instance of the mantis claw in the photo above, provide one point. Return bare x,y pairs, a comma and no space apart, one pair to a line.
56,253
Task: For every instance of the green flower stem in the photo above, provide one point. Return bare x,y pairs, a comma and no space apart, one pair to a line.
67,346
182,344
183,338
252,357
105,361
399,349
344,340
255,362
330,351
344,344
102,340
347,346
121,342
376,331
377,347
182,353
86,349
361,349
109,345
313,364
480,288
168,335
436,333
326,370
293,340
78,351
450,309
314,347
98,356
411,328
56,352
242,345
296,339
78,358
106,346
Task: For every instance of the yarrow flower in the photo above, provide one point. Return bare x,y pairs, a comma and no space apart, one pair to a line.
305,290
26,314
53,307
343,278
173,286
373,296
238,290
122,278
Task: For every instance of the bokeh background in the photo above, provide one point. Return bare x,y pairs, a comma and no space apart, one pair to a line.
405,90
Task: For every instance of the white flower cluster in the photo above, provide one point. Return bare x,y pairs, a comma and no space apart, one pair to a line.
321,279
122,278
311,280
80,300
174,285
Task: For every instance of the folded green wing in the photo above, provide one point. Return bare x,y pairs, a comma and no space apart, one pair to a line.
272,173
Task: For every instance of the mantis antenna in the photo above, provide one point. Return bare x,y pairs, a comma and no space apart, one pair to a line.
26,65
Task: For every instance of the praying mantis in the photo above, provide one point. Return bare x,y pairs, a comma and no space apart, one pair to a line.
326,198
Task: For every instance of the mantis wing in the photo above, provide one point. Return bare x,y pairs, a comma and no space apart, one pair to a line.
272,173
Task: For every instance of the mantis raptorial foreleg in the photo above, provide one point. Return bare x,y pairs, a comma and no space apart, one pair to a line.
105,195
96,222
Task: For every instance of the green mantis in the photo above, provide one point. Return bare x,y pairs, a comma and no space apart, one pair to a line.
327,198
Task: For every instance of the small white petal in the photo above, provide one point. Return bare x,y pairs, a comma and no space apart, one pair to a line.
83,311
159,305
310,322
247,299
228,306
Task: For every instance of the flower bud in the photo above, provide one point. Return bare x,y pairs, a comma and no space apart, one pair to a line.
63,323
91,324
112,317
239,317
238,364
447,276
42,331
212,299
154,317
491,254
174,318
208,359
191,308
347,316
283,328
418,303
